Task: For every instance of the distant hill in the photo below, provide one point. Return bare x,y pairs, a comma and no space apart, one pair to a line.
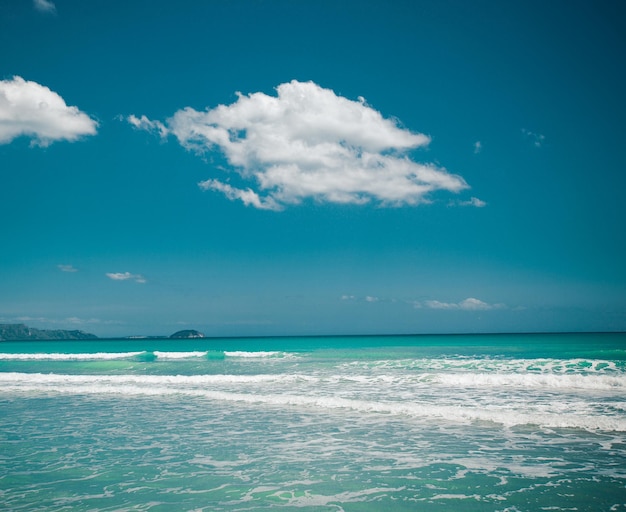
20,332
189,333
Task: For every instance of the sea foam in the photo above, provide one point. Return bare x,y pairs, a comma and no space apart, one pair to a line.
43,356
509,414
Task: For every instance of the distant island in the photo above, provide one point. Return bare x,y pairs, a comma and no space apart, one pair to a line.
20,332
186,334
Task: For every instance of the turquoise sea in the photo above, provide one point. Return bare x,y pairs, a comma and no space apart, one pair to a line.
421,423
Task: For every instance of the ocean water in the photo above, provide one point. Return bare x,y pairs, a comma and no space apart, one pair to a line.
462,423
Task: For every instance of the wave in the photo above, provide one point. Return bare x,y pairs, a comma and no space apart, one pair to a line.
505,413
489,365
180,355
144,355
569,381
496,381
451,379
260,354
56,379
42,356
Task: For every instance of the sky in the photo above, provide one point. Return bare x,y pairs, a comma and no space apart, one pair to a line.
313,167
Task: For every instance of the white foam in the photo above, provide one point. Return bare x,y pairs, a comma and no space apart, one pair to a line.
68,357
50,380
163,355
309,499
460,363
532,380
260,354
509,414
179,355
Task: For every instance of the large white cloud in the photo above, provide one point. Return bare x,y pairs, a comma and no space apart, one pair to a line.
308,142
30,109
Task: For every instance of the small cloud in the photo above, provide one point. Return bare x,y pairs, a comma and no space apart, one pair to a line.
67,268
82,321
45,6
537,139
73,320
469,304
32,110
367,298
478,147
39,319
474,201
307,142
143,123
126,276
435,304
248,196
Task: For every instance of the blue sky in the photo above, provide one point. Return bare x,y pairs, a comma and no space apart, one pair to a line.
313,167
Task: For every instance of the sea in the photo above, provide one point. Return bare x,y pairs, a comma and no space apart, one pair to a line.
503,422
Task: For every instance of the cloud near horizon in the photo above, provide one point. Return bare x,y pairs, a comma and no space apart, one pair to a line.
67,268
308,143
33,110
73,320
469,304
125,276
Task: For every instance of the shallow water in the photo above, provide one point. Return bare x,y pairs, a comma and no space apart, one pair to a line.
361,423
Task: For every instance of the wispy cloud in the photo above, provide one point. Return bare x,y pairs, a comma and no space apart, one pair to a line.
126,276
73,320
469,304
366,298
247,196
536,139
33,110
44,6
473,201
143,123
308,143
478,147
67,268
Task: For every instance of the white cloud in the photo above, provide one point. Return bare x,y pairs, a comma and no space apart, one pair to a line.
143,123
125,276
248,196
469,304
369,298
82,321
56,321
308,142
474,201
44,6
67,268
478,147
30,109
537,139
